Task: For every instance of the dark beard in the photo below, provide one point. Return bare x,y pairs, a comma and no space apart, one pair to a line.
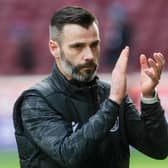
74,71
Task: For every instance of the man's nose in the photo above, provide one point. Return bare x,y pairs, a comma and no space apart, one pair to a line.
88,55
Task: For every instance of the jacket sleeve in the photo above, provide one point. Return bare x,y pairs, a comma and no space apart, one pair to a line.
148,130
54,135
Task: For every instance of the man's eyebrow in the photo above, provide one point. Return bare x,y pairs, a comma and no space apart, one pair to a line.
83,43
77,44
95,42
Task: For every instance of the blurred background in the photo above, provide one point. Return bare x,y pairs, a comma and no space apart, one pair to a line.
25,58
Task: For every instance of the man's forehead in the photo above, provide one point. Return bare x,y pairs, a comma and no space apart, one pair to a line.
76,32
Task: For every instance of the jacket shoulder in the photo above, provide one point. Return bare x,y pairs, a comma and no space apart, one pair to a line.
104,83
103,89
45,86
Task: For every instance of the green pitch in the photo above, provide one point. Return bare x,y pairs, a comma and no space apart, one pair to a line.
9,160
138,160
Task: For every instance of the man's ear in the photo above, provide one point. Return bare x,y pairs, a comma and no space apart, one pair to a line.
54,48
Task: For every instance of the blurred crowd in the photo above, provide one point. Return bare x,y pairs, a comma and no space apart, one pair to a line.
24,32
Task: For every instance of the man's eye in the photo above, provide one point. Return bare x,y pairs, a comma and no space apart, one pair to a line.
78,46
94,45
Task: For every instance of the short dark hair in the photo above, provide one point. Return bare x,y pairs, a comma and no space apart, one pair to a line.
70,15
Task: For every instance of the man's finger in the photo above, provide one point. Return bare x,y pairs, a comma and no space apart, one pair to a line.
123,59
143,62
155,68
159,58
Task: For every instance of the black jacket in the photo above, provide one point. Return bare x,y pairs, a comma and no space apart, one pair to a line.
68,124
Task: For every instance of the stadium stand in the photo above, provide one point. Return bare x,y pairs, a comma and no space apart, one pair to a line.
148,19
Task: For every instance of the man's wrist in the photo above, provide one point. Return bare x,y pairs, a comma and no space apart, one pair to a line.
114,102
151,100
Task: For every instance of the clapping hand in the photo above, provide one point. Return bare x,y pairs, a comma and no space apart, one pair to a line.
151,70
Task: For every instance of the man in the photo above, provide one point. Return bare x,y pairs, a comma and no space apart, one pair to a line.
73,119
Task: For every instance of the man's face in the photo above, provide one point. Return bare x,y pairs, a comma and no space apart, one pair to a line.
79,52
